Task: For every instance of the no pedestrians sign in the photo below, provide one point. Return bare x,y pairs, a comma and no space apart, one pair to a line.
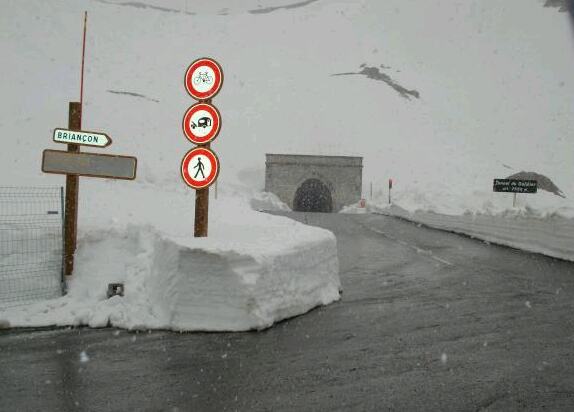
199,168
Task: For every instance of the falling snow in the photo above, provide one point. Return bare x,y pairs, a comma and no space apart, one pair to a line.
84,357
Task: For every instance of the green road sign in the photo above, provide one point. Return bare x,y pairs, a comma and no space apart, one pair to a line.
93,139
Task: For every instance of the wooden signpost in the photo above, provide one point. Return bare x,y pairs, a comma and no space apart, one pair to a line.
201,125
73,164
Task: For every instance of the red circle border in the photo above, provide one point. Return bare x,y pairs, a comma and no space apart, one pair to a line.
204,61
216,120
214,170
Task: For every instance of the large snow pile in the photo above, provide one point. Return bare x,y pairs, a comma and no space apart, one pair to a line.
253,270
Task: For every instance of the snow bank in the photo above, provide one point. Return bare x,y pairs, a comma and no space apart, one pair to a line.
268,201
354,209
475,197
552,235
253,270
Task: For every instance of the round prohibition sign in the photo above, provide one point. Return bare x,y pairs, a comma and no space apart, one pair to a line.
199,168
201,123
203,78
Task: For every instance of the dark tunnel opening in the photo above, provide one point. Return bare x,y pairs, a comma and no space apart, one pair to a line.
313,196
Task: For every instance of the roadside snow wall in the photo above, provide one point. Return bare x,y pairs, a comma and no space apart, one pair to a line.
252,270
549,235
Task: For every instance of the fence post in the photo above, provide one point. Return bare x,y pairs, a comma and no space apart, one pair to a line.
63,214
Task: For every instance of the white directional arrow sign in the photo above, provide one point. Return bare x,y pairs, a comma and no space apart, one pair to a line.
94,139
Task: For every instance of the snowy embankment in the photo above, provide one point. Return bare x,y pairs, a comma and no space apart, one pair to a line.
540,223
266,201
254,269
551,235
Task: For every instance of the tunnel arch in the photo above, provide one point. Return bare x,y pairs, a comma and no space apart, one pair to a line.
313,196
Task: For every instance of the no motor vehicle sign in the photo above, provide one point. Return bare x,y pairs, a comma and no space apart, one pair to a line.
201,123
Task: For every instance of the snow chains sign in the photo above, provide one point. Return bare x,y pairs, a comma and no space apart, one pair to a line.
199,168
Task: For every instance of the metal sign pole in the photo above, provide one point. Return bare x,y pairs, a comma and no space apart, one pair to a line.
72,183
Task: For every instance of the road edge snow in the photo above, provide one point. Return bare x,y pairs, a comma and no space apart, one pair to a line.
551,236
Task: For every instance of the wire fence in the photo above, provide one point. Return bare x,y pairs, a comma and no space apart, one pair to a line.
31,244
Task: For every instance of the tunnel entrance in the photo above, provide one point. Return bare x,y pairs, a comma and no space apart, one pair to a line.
313,196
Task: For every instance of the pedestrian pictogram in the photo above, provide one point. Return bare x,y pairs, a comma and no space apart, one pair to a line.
199,168
203,78
201,123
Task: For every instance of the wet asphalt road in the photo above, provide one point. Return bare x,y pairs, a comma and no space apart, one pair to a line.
428,321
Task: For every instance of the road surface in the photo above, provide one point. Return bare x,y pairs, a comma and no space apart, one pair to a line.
428,321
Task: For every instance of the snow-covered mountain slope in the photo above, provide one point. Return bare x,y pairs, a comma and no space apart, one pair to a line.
443,96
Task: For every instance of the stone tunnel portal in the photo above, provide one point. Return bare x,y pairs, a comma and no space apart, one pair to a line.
314,183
